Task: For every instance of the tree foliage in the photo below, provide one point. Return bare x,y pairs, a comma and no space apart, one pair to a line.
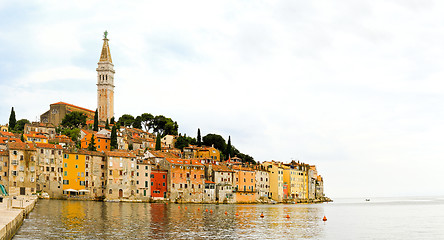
20,125
126,120
74,133
199,138
107,124
158,143
92,144
229,149
74,120
184,141
12,120
113,138
164,126
146,121
96,121
137,122
214,139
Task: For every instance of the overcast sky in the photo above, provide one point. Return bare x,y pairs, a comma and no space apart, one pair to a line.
355,87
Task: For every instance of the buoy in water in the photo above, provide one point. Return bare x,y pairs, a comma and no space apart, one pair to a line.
237,214
211,211
186,208
198,209
262,215
288,216
206,210
324,219
178,206
226,213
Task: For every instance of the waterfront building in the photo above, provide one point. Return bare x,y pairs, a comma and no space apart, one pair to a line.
159,184
4,172
74,164
319,192
209,191
105,83
208,153
276,173
49,173
290,179
143,179
262,183
186,179
95,174
168,141
223,178
244,184
22,168
4,141
121,175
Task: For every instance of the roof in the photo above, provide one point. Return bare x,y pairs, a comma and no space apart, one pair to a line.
119,154
105,56
164,154
47,145
184,161
64,103
206,181
21,146
221,168
4,140
240,168
35,136
4,153
10,134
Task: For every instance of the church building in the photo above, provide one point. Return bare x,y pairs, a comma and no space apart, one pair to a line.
105,93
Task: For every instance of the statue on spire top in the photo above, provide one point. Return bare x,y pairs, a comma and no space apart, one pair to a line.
105,34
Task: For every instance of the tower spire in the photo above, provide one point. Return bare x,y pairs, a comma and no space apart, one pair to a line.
105,82
105,56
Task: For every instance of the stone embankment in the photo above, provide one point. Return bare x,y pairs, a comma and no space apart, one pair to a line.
13,212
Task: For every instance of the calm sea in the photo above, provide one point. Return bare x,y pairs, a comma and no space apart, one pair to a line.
380,218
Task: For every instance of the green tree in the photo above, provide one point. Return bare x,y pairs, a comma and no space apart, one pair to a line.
137,122
229,149
96,121
107,124
146,121
22,138
74,120
158,143
114,138
20,125
199,138
214,139
130,146
112,120
126,120
74,133
12,120
92,144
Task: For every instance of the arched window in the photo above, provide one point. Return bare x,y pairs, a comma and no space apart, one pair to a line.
110,191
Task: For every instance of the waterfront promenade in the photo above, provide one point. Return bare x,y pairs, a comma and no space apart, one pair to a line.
12,214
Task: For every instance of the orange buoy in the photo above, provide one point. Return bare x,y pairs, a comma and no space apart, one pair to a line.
226,213
324,219
198,209
178,206
206,210
211,211
237,214
186,208
288,216
166,203
262,215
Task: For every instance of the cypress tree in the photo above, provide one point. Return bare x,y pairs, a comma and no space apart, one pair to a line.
114,138
158,144
96,121
22,138
12,120
91,146
228,151
112,120
107,124
199,138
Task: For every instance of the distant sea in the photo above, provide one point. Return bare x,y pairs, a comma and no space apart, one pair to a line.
379,218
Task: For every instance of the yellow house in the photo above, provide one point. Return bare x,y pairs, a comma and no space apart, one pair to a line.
208,152
74,173
35,137
290,178
276,176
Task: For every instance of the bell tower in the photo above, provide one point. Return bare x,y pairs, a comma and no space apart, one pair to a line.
105,82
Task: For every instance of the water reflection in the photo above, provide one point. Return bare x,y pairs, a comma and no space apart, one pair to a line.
53,219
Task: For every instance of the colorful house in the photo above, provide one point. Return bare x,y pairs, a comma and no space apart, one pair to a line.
121,175
35,137
49,160
244,184
74,164
22,168
276,173
102,140
159,184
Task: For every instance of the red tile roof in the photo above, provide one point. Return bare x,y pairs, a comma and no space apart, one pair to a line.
120,154
47,145
184,161
35,136
21,146
4,140
206,181
63,103
221,168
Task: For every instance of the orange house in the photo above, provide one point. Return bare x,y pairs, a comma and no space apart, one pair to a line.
101,142
244,184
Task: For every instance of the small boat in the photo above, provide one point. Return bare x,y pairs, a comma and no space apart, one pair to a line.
367,199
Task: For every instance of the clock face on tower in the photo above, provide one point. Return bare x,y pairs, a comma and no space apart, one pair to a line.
55,111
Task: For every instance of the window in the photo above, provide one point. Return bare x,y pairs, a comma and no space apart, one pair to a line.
110,191
164,176
77,166
152,183
66,165
65,182
146,175
163,184
65,173
110,164
21,157
77,157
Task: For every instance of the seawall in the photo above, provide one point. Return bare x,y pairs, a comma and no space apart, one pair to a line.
12,214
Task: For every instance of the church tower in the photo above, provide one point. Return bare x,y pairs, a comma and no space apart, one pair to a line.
105,83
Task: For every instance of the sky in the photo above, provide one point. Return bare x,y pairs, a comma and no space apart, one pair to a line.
354,87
